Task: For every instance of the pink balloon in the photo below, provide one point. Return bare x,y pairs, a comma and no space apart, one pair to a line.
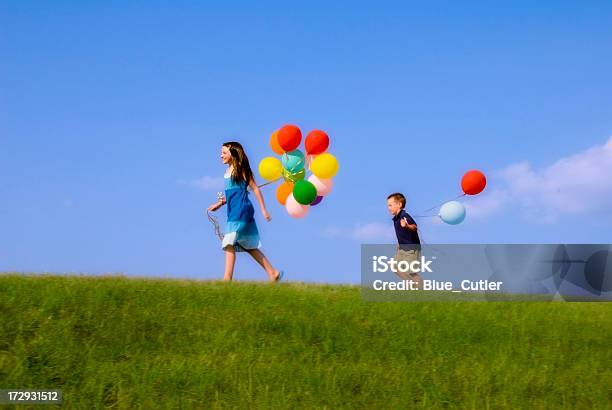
294,208
324,186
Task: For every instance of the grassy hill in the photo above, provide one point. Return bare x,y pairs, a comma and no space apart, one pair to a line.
117,342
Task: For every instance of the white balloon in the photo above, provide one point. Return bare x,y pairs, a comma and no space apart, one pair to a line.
295,209
452,212
324,185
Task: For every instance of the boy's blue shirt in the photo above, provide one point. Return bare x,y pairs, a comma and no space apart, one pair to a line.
405,236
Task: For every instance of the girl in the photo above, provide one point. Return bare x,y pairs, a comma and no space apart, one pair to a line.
241,231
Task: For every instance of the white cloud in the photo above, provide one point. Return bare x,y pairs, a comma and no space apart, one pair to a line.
371,231
487,203
577,184
205,183
333,231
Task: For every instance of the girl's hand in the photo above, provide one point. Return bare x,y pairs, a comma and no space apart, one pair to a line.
266,215
214,206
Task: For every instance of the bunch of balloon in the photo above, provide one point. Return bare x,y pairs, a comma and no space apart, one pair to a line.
298,192
472,183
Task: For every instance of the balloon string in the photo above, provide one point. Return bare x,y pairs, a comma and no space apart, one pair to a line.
308,159
439,205
267,183
213,220
421,238
296,165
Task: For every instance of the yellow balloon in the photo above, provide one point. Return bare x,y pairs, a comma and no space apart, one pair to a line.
324,165
270,168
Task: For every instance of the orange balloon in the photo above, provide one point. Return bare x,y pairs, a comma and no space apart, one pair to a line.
274,143
283,191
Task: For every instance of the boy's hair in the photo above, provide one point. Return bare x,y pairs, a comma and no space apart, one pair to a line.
242,169
399,198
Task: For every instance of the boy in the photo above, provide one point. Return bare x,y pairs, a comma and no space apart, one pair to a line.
409,244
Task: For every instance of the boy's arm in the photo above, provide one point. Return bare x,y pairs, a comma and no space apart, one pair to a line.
408,225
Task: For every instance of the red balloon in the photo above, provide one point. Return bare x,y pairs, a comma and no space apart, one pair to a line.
289,137
317,142
473,182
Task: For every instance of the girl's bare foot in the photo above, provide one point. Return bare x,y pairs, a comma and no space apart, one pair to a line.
278,276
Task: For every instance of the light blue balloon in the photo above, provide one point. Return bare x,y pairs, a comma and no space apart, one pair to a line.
293,161
452,212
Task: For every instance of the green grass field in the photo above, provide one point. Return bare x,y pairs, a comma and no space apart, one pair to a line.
116,342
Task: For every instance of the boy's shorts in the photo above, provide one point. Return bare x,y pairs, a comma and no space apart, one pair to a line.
408,255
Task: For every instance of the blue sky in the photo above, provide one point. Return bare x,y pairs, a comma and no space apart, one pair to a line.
110,114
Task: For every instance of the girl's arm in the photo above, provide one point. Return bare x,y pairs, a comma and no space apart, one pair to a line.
217,205
260,199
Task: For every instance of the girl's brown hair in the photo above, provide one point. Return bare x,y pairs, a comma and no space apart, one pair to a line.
240,163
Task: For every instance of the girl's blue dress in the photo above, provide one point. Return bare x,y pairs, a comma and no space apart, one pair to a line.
241,231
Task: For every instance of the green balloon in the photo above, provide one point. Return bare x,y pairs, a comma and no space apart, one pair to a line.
292,177
304,192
